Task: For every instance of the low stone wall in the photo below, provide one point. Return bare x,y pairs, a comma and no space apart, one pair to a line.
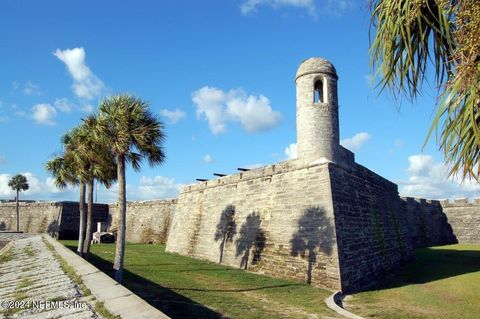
59,219
38,217
464,218
147,221
427,222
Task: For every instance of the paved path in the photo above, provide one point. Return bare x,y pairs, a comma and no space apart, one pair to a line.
33,276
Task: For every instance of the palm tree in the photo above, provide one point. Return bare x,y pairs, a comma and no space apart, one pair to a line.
409,38
18,183
84,160
98,163
133,133
66,171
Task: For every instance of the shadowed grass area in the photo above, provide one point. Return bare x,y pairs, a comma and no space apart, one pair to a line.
182,287
442,282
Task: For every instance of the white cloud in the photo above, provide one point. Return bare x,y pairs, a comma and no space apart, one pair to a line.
44,114
31,88
254,113
250,6
291,151
86,85
149,188
38,189
429,179
208,159
158,187
63,105
253,166
331,7
355,142
87,108
2,159
173,116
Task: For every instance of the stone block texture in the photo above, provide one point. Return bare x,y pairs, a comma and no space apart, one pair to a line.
147,221
372,236
59,219
276,220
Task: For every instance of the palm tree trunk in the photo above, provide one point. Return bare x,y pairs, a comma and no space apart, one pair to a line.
88,232
122,214
81,208
18,215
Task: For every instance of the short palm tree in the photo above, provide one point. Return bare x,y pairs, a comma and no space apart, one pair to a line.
133,133
18,183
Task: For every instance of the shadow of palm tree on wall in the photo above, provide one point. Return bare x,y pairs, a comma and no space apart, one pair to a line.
315,231
226,228
53,228
251,236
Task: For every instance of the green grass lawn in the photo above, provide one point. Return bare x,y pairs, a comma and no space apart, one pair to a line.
183,287
442,282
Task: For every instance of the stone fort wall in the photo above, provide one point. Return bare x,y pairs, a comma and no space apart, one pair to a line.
276,220
330,225
59,219
147,221
433,222
372,231
335,226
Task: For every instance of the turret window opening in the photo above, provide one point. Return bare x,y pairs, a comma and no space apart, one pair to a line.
318,96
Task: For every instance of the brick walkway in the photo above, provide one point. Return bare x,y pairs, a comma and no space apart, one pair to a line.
33,277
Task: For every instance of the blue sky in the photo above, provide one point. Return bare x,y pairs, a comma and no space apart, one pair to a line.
220,75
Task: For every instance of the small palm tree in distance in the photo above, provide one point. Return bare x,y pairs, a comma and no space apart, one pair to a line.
18,183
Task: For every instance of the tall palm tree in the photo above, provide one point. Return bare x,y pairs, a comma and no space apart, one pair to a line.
18,183
133,133
98,162
84,160
66,171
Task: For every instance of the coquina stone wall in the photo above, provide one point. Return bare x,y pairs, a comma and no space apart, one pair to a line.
60,219
464,218
372,233
427,222
147,221
276,220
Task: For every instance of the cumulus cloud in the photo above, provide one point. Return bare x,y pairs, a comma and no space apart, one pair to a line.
86,85
63,105
250,6
149,188
31,89
172,116
254,113
291,151
355,142
331,7
207,159
158,187
429,179
44,114
38,189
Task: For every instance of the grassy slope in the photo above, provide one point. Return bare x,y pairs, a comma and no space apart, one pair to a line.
186,288
443,282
